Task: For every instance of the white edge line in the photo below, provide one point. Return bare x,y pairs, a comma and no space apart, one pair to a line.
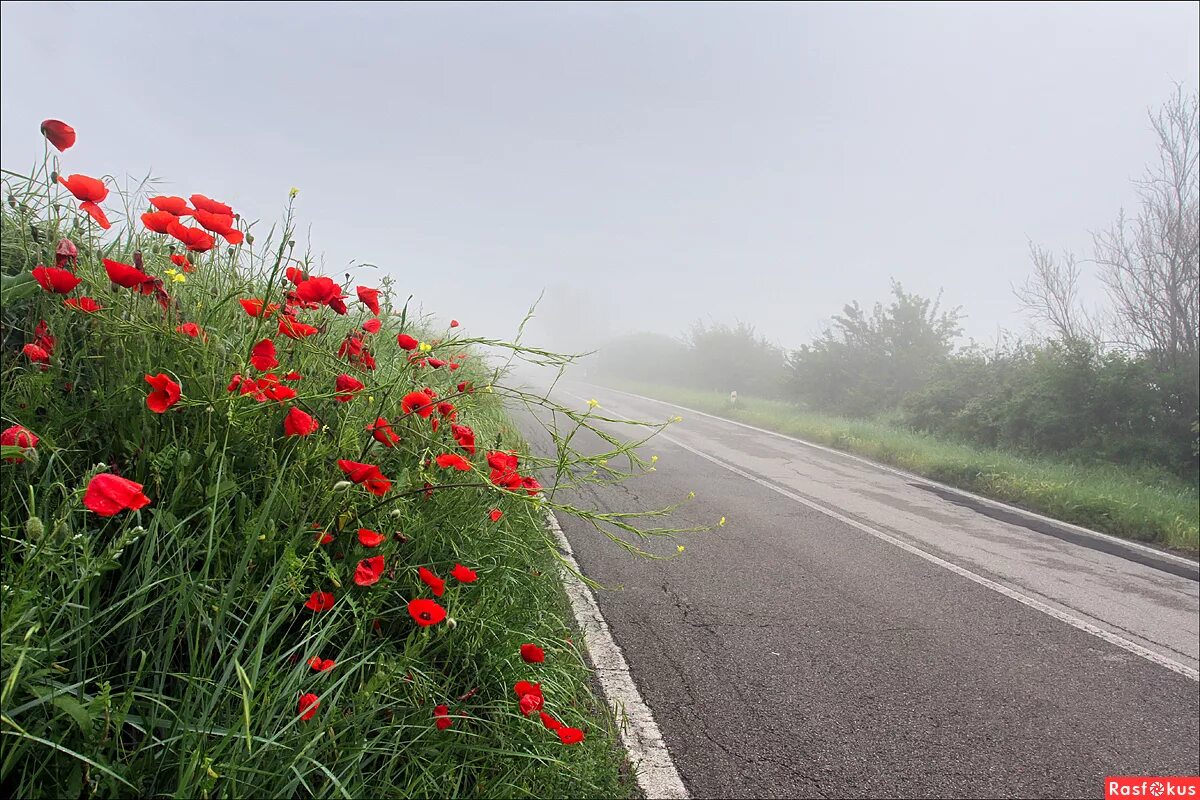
1164,554
1038,605
656,772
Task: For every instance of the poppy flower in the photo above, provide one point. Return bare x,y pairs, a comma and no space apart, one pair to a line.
255,307
323,537
441,717
309,703
495,514
321,664
109,494
221,224
203,203
425,612
368,297
97,213
550,722
446,409
530,695
59,133
532,654
182,262
453,460
320,289
320,601
171,204
53,279
366,475
294,275
463,574
370,538
523,688
190,329
126,275
417,402
368,571
432,581
570,735
43,338
66,254
453,323
465,388
18,436
158,221
36,354
262,355
381,429
346,387
298,423
293,329
407,342
435,362
166,392
85,189
196,239
372,325
465,437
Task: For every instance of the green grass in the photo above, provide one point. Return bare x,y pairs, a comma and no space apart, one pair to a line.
162,652
1142,504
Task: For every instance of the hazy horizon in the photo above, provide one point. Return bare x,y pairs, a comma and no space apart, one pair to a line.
647,165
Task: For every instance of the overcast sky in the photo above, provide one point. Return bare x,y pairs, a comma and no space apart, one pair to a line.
645,164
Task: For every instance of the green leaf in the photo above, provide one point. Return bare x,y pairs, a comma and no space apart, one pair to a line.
77,711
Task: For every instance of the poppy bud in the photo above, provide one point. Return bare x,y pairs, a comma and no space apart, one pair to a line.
249,239
12,201
54,177
137,260
451,622
34,529
291,243
342,486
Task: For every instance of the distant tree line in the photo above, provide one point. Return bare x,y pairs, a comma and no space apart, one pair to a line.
1118,383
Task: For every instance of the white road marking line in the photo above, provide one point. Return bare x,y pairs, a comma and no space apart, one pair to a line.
1013,594
656,773
913,476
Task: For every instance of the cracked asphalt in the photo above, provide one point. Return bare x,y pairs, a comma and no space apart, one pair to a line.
789,654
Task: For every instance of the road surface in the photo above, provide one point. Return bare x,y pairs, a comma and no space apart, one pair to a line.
853,631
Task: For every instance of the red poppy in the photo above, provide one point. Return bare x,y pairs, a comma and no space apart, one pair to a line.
37,355
203,203
309,703
125,275
465,388
453,323
262,355
495,514
570,735
254,307
319,601
182,262
417,402
159,221
346,387
425,612
368,571
85,189
432,581
298,423
220,224
448,460
320,289
446,409
407,342
435,362
530,695
372,325
367,475
463,574
190,329
441,717
109,494
532,654
18,436
293,376
66,254
60,134
196,239
85,304
323,537
465,438
381,429
294,275
43,338
368,297
370,538
523,688
294,329
550,722
321,664
53,279
171,204
166,392
97,213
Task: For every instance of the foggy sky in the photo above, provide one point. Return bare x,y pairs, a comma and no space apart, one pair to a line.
646,164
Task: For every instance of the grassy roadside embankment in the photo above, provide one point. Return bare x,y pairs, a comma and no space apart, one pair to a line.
1142,504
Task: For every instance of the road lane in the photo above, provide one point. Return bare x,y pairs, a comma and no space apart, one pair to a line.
790,654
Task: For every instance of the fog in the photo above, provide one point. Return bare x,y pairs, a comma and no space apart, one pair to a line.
645,165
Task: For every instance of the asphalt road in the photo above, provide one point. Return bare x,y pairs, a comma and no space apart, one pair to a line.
794,653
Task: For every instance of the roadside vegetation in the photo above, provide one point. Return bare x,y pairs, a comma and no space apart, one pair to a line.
1094,420
265,534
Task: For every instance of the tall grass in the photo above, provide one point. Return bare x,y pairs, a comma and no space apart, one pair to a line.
1143,504
163,652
